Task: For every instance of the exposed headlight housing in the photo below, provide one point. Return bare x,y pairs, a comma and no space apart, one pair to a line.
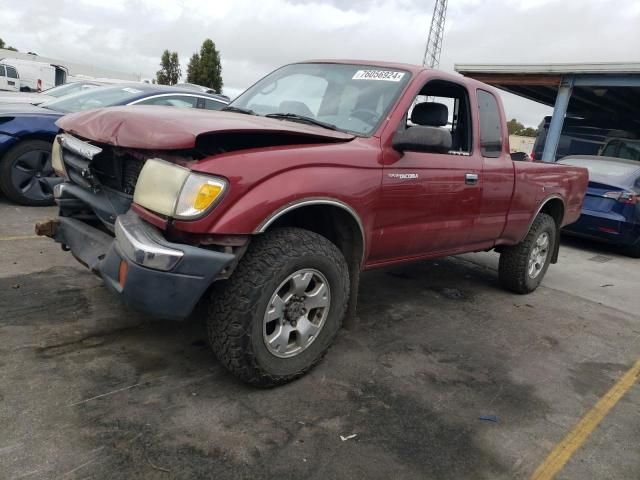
56,159
175,191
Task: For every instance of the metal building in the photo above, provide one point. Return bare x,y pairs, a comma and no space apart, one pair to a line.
580,89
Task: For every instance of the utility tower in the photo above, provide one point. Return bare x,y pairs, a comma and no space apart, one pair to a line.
436,32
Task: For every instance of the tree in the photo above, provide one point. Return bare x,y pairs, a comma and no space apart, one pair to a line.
516,128
529,132
193,68
7,47
205,68
169,72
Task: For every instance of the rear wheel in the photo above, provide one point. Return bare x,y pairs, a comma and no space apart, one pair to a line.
23,173
523,266
277,315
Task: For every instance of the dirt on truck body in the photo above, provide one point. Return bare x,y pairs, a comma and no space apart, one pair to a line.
319,171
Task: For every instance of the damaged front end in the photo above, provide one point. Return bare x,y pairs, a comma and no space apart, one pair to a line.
137,260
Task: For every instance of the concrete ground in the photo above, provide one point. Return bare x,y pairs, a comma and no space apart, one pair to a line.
90,389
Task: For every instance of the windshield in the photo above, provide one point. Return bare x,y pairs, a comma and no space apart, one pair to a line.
68,88
354,98
94,98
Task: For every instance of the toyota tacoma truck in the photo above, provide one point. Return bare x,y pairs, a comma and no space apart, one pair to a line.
268,212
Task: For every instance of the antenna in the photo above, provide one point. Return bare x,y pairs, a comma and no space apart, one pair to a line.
436,32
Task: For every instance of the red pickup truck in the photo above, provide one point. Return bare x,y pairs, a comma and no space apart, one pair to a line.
270,210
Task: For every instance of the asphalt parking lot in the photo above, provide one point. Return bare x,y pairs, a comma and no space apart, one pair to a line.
90,389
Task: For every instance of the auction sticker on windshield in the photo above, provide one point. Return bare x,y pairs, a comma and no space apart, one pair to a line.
386,75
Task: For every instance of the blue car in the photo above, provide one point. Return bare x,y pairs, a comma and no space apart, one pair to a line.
27,132
611,210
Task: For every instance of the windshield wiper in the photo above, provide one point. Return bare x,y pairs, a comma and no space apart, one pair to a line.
246,111
302,118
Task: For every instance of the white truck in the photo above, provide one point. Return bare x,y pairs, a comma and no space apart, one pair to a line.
34,76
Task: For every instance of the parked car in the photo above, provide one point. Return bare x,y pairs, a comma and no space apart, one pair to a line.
580,136
9,78
611,210
51,94
312,175
27,132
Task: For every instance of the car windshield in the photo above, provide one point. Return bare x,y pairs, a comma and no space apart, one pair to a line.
68,89
94,98
604,168
353,98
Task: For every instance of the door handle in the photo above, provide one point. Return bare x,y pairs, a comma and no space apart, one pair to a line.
471,178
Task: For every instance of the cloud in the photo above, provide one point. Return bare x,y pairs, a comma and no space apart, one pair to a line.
256,37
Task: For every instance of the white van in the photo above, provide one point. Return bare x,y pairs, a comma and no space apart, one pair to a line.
37,76
9,79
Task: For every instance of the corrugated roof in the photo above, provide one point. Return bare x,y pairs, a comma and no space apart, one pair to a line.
552,68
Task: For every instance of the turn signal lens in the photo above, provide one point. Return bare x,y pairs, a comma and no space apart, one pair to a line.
122,273
198,194
206,196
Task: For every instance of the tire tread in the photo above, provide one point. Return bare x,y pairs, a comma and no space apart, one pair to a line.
230,313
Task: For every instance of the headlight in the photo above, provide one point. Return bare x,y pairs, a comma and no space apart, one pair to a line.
175,191
56,159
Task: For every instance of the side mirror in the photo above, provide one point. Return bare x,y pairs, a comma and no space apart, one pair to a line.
422,139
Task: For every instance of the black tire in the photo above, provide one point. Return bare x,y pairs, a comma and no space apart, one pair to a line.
23,170
514,261
237,307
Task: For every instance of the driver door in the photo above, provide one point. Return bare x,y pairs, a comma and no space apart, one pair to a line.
430,201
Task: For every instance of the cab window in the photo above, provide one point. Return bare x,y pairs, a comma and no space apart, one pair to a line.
445,105
490,125
11,72
2,71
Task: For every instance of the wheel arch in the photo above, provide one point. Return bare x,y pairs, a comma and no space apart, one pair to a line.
336,221
553,206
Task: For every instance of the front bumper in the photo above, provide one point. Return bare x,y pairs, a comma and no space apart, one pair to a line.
149,273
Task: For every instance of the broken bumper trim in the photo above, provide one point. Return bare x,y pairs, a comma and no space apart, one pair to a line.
163,279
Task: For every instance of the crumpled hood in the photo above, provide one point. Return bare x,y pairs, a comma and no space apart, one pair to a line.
171,128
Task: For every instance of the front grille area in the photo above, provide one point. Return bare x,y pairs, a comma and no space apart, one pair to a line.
111,169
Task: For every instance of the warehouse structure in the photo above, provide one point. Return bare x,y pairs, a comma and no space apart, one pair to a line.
588,90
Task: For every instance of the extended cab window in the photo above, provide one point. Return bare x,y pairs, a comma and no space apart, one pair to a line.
444,104
490,125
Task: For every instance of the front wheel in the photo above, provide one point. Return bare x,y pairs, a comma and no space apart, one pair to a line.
277,315
523,266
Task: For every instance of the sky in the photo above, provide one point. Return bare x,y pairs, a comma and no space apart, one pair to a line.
257,36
